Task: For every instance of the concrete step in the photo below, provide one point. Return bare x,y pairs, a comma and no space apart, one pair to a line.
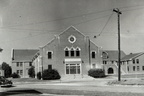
76,77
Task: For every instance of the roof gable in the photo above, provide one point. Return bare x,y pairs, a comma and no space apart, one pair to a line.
113,54
71,29
132,56
23,54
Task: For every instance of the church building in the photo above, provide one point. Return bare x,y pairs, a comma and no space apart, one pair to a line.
70,53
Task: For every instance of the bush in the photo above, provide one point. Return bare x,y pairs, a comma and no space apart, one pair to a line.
50,74
39,76
96,73
31,72
15,75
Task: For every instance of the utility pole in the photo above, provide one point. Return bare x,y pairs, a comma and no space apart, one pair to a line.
119,50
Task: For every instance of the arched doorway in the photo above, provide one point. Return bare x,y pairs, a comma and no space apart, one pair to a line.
110,71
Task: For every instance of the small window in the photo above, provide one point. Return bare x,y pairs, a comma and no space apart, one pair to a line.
49,55
21,72
133,61
49,66
17,64
128,68
30,63
143,68
137,68
137,60
93,65
21,64
93,54
104,62
133,68
17,71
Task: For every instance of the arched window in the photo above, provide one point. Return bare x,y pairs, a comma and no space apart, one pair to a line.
110,71
77,52
66,52
72,52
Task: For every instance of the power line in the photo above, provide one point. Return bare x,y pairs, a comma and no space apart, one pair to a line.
59,19
104,26
60,29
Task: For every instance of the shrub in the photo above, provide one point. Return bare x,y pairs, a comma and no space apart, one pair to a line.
96,73
31,72
50,74
15,75
39,76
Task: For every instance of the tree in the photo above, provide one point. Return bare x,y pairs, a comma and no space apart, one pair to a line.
7,69
31,72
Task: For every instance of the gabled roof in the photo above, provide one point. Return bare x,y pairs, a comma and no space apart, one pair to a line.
71,29
21,55
113,54
131,56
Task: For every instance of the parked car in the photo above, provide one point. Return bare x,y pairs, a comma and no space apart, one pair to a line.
5,82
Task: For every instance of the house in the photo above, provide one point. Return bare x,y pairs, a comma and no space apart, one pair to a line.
134,63
22,61
70,53
110,62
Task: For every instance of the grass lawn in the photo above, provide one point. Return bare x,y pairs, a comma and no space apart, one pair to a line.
124,81
89,93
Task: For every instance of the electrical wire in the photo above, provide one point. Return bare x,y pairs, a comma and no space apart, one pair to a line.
60,18
104,26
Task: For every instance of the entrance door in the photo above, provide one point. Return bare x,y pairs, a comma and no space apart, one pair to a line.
110,71
72,68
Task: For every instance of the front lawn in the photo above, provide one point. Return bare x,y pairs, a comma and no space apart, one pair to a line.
127,82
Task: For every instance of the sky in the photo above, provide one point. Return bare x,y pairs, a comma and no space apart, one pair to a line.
29,24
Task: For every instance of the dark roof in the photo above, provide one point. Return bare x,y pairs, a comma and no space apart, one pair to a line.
131,56
113,54
23,54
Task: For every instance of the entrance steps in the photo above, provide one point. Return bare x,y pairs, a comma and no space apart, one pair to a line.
74,77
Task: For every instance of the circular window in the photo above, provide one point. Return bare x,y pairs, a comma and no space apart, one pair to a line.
72,39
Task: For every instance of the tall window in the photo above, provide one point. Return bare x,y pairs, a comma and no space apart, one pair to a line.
72,52
93,55
66,52
77,52
49,55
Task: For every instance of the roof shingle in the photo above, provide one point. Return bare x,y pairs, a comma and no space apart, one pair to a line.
23,54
